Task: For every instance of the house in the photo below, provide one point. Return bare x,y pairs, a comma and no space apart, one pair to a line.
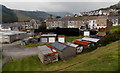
115,20
11,36
74,22
61,38
53,23
48,38
32,24
57,22
64,51
104,12
47,55
17,26
5,27
92,24
103,22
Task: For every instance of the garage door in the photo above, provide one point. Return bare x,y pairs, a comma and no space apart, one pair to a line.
44,40
61,39
51,39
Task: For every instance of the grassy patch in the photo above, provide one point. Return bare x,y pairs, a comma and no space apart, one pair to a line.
71,38
114,29
102,59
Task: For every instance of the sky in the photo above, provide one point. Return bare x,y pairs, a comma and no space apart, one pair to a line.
73,6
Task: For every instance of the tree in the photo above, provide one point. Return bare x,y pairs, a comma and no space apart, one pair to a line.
42,26
58,17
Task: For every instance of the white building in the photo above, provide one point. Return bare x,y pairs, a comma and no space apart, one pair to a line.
92,24
5,27
11,36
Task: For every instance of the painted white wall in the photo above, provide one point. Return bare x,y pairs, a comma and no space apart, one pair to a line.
61,39
91,23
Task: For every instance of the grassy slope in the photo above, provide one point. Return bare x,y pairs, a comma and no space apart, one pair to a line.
101,59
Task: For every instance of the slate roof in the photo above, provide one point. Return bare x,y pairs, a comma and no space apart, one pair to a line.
59,46
44,50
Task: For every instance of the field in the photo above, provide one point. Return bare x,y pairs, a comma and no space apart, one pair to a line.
102,59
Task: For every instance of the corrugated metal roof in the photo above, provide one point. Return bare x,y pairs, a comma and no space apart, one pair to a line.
71,44
79,39
100,34
59,46
81,42
45,50
61,35
49,35
10,32
90,39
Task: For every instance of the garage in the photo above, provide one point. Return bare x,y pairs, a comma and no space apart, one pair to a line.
61,38
51,39
48,38
44,40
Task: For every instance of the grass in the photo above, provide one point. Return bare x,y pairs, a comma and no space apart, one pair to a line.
102,59
71,38
114,28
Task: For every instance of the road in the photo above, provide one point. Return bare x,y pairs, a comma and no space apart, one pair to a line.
17,52
13,52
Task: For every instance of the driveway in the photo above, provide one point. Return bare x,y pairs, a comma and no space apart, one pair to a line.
17,52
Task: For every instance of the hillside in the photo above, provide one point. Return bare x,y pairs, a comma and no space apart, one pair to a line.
10,15
61,14
116,6
102,59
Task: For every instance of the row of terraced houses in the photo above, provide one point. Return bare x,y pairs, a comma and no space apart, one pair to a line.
92,22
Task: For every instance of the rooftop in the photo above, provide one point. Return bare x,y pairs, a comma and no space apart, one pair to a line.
49,35
45,50
81,42
59,46
10,32
90,39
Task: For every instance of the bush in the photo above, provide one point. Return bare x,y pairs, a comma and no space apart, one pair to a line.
111,37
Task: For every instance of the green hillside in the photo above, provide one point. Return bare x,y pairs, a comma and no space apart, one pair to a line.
116,6
102,59
10,15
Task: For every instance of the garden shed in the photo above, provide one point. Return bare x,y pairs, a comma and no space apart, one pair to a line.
64,51
84,45
47,55
79,49
61,38
93,40
48,38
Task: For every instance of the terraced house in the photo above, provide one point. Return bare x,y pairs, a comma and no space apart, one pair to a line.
91,22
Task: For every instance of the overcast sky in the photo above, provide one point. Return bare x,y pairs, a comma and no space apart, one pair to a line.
58,5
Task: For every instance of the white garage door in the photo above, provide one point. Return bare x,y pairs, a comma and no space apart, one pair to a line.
44,40
51,39
61,39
